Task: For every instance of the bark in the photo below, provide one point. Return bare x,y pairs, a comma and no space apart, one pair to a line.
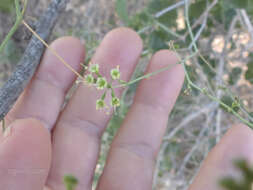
29,62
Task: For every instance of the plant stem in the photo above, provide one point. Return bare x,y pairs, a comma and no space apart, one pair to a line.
153,73
19,17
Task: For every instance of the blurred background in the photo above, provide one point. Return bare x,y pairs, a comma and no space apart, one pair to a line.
223,33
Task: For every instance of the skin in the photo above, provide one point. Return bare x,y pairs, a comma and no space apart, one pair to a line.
31,156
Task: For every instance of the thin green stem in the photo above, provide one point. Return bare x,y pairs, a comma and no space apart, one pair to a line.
189,25
166,29
19,18
151,74
216,99
204,91
192,35
231,110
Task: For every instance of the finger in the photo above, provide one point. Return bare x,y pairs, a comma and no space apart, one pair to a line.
45,94
132,156
81,121
25,156
236,144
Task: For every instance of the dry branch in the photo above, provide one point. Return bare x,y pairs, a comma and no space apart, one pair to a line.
29,62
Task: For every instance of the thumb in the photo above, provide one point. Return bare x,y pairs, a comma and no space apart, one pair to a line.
25,155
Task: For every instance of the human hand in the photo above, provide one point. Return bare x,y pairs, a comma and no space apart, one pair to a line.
32,157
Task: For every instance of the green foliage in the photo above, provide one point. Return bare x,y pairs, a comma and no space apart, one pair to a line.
6,5
249,72
229,183
140,20
19,16
235,75
196,9
241,4
157,40
229,14
229,102
12,52
70,182
250,7
224,12
210,74
168,19
121,10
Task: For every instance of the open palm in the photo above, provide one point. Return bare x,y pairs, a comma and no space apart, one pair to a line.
46,141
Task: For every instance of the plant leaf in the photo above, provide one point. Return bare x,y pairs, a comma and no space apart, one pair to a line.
6,5
121,10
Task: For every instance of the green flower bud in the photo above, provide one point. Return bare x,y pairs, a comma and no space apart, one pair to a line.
89,79
100,104
94,68
70,182
115,102
101,83
115,73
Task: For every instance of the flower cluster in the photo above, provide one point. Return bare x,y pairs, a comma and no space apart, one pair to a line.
96,79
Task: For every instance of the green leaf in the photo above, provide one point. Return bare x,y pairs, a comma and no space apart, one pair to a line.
12,52
217,12
229,102
70,182
250,7
224,12
168,19
206,69
235,75
6,5
140,20
249,72
241,4
196,9
121,10
243,183
158,40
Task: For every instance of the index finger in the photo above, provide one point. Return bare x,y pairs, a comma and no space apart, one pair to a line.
45,94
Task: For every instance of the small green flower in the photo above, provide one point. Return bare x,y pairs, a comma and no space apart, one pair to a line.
94,68
89,79
115,73
115,102
70,182
101,83
100,104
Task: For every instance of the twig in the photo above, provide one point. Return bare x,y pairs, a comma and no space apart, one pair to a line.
203,26
203,90
26,67
197,143
204,15
158,163
219,94
166,29
188,119
219,80
247,22
170,8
